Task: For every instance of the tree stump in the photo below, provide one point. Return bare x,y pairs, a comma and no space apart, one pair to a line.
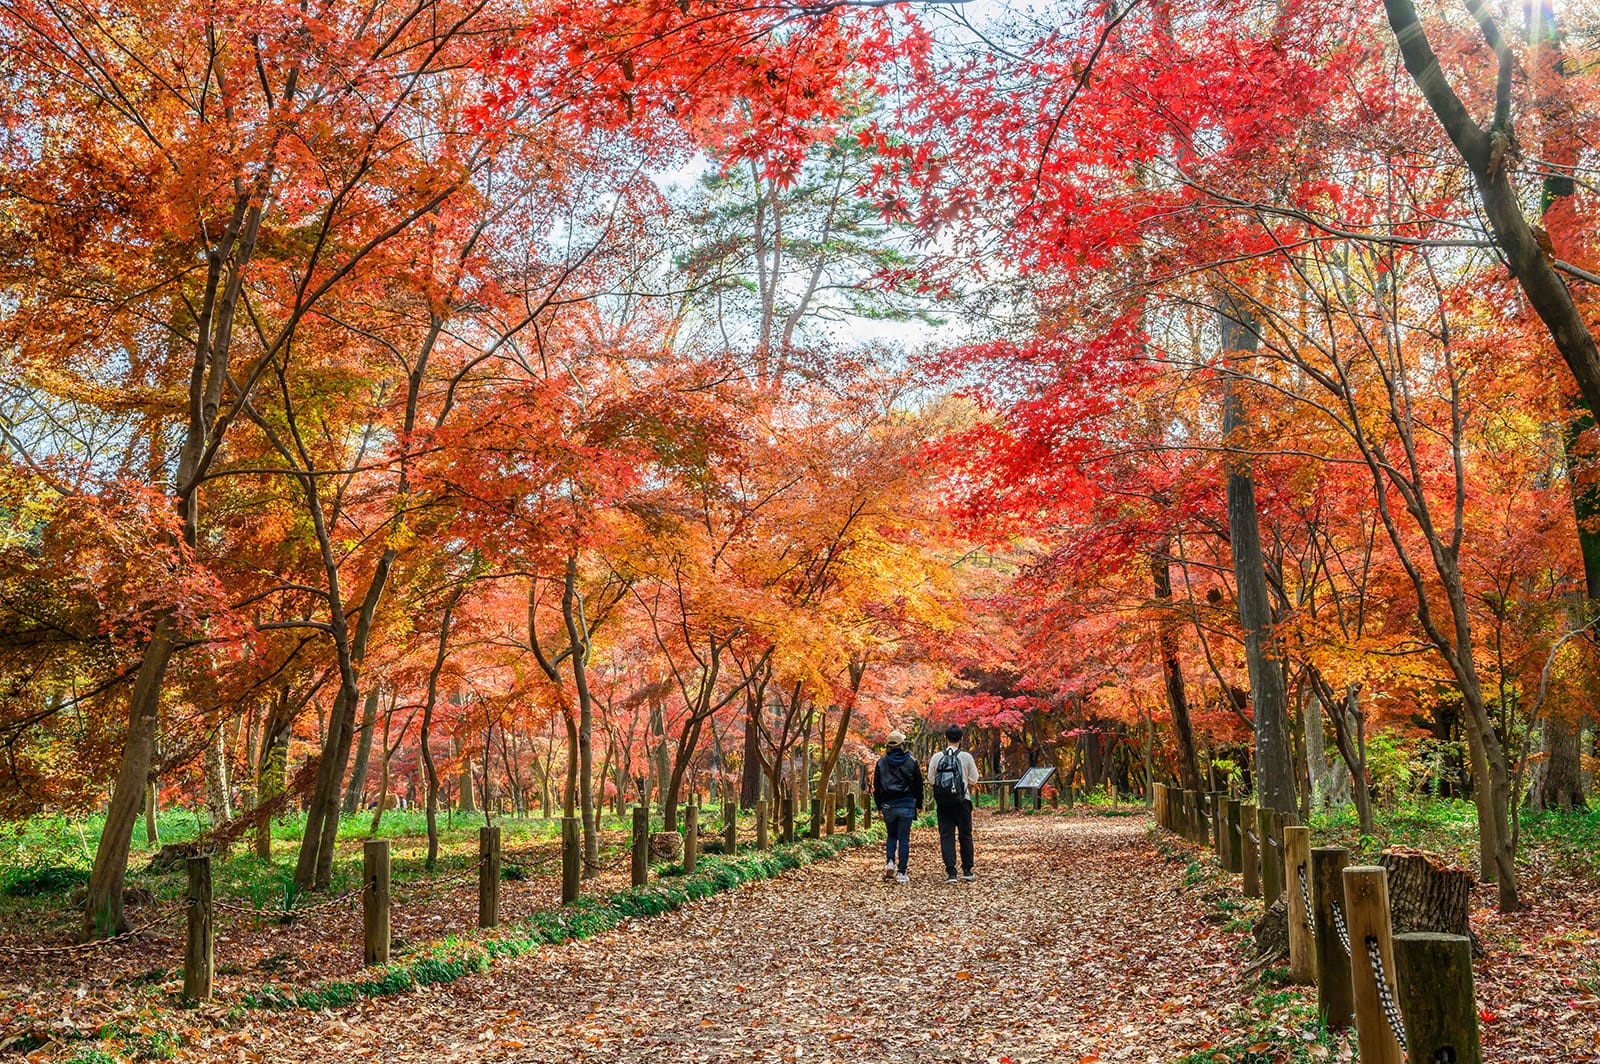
1426,893
1271,932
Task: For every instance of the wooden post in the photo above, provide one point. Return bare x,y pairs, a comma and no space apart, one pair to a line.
730,829
489,876
1434,973
200,951
1302,939
850,812
1163,815
827,813
1366,909
641,845
691,837
761,825
1250,858
1038,799
375,900
1005,797
786,821
571,858
1271,885
1335,1001
1219,821
866,811
814,829
1180,812
1233,854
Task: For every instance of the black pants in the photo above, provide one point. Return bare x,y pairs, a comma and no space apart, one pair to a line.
955,819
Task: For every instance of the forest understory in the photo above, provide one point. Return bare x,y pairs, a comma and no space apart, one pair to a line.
1085,938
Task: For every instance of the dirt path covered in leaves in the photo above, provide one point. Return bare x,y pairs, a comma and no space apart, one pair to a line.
1076,941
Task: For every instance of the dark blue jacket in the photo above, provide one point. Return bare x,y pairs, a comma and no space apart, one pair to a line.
897,778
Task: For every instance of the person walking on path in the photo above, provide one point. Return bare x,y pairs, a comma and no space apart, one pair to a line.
954,773
897,792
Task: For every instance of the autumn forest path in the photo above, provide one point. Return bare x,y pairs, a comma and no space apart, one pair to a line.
1076,940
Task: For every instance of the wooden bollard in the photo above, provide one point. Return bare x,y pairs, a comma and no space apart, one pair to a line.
866,811
1271,885
828,813
489,876
1232,851
375,900
814,829
1366,910
641,845
199,952
850,812
1302,939
1335,995
1250,845
691,837
786,820
730,830
1199,823
571,858
761,825
1434,973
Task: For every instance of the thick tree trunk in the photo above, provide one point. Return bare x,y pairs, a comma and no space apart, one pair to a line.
1274,770
750,768
357,787
103,907
1560,785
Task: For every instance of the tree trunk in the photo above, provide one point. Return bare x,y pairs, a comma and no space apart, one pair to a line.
357,787
152,813
750,768
1321,789
1561,784
103,915
1274,770
1172,669
219,809
468,805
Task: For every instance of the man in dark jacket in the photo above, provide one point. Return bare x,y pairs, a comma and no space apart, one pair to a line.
897,792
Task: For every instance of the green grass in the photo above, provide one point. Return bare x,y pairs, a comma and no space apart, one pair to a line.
42,860
1450,827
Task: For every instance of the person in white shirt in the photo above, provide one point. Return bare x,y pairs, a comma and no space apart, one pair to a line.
954,773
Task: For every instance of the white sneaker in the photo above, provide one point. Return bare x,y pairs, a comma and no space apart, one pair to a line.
968,877
949,879
901,877
888,871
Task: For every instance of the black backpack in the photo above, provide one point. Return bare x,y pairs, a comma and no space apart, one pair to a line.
948,779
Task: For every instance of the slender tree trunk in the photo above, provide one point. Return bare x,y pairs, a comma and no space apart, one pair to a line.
1172,669
219,809
103,914
1274,770
357,787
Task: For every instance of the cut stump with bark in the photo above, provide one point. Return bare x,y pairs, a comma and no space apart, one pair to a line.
1427,893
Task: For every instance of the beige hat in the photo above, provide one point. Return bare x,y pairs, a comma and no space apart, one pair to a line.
897,738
